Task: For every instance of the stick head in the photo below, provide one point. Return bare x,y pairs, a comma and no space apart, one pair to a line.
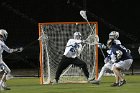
92,40
20,49
83,14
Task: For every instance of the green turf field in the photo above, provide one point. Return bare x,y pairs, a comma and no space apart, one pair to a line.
31,85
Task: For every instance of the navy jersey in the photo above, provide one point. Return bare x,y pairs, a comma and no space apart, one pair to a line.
125,54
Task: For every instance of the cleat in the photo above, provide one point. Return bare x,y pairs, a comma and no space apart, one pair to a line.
6,88
55,82
95,82
3,86
115,84
122,83
90,79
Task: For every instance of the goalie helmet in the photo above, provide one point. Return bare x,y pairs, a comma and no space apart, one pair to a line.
4,34
77,35
113,35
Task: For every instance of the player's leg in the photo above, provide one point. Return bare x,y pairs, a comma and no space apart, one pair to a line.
117,71
123,65
3,84
106,67
62,65
1,81
103,70
117,79
82,65
6,71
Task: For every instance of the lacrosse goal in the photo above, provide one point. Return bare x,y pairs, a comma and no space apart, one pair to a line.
53,37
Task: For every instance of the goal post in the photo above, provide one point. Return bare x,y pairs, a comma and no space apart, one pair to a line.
53,37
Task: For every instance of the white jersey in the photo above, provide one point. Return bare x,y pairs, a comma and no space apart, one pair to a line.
73,48
2,48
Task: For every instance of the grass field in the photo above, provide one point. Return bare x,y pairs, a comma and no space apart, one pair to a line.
31,85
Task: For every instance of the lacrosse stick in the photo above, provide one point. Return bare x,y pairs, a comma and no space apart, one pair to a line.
19,49
91,38
83,14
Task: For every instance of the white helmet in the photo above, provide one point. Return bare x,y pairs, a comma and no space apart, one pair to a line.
4,34
77,35
113,35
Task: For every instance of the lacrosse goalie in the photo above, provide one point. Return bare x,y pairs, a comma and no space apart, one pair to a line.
70,56
3,67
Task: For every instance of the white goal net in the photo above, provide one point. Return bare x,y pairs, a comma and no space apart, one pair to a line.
53,38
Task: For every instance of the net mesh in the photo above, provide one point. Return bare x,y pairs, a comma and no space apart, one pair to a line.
54,37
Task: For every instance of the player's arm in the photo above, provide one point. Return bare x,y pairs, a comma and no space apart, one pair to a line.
17,49
10,50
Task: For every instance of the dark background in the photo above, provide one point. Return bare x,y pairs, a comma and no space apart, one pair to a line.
21,17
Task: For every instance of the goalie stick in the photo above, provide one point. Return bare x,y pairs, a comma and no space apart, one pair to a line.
83,14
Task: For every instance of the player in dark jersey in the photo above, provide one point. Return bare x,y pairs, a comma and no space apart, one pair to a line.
122,59
108,60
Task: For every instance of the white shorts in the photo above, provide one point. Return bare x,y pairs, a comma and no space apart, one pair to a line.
124,65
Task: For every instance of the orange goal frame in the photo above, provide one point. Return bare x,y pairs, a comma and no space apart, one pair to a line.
40,44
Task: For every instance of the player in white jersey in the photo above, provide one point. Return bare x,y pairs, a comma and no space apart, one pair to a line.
3,66
108,60
70,56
